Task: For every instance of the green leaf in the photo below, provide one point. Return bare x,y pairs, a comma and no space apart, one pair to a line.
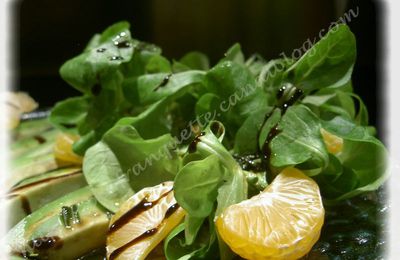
69,112
158,64
206,103
152,122
234,54
228,77
364,159
105,177
153,87
233,191
328,63
329,103
300,139
273,74
192,228
130,161
238,93
195,60
246,136
146,162
196,185
272,121
204,247
228,184
114,32
85,70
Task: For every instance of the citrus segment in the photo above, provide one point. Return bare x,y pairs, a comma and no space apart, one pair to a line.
282,222
63,150
333,143
142,222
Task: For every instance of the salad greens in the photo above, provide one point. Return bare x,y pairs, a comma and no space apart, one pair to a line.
219,132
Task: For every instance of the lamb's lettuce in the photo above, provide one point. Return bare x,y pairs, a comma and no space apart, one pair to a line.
123,163
143,119
329,63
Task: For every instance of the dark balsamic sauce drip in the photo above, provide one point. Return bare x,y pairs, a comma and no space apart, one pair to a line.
120,250
39,139
171,210
296,95
25,205
45,243
116,58
249,162
164,82
193,145
283,105
43,181
96,89
123,44
280,92
101,50
216,128
135,211
266,150
69,125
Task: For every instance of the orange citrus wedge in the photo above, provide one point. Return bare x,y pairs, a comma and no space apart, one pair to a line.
282,222
63,150
333,143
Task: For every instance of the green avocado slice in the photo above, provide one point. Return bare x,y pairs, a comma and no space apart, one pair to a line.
63,229
34,192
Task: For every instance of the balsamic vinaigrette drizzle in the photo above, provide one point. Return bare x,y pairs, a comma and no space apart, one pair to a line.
25,205
251,162
141,207
39,139
283,105
120,250
164,82
146,234
17,188
193,145
45,243
123,44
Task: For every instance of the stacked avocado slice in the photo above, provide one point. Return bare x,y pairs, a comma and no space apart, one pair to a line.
52,212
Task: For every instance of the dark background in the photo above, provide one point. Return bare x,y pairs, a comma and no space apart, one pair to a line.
48,32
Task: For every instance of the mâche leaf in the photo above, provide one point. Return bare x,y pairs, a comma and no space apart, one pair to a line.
218,130
106,180
328,63
70,112
196,185
299,139
364,159
130,163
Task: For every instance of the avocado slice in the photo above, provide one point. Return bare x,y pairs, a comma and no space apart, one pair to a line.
63,229
21,147
31,128
31,166
34,192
